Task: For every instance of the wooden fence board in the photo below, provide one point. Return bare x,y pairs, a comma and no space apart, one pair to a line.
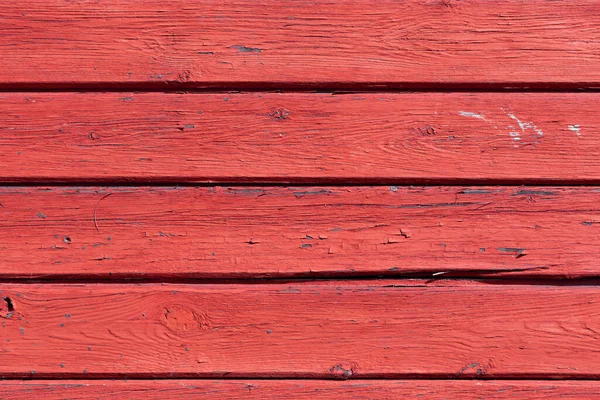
343,330
300,138
188,43
173,233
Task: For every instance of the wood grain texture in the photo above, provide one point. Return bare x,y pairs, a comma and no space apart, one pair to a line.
342,330
300,138
171,233
300,389
49,43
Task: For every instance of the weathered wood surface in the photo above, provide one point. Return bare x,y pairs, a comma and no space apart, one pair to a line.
299,389
188,43
439,329
300,138
171,233
355,329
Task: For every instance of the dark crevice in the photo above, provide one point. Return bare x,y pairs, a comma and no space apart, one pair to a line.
318,87
297,376
9,304
489,277
289,182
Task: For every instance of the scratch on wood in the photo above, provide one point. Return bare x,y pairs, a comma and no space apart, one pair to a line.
96,209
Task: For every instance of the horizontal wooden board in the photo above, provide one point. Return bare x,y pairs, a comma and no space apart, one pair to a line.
188,43
343,330
300,138
171,233
300,389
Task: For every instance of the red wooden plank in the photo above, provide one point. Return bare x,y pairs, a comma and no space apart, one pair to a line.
300,389
244,232
312,330
300,137
47,43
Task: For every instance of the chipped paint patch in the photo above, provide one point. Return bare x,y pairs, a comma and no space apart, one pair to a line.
246,49
576,129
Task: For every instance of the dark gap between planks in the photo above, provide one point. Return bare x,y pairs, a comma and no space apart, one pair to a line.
177,182
403,280
295,376
319,87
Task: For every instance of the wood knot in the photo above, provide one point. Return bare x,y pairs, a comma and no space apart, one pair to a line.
180,318
449,3
184,76
343,371
424,130
474,369
279,114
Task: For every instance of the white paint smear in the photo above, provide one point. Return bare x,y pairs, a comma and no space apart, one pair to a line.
575,128
471,115
526,125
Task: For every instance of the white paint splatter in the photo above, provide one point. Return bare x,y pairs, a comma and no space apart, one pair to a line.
526,125
521,124
576,129
471,115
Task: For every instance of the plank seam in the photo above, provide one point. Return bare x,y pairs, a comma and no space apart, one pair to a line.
403,280
296,87
293,183
316,377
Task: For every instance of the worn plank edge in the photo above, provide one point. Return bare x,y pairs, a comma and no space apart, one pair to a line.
287,389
